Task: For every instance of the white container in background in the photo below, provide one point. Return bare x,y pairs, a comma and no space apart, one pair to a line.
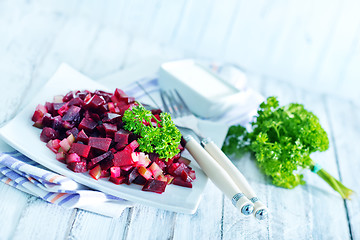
206,94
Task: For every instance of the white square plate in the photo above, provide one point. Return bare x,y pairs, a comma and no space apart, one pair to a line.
21,135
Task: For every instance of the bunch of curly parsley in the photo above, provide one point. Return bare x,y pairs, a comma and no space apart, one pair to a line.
162,138
282,139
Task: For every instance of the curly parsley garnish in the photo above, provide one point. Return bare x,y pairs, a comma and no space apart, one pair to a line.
282,139
162,137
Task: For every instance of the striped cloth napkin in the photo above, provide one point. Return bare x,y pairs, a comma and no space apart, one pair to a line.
28,176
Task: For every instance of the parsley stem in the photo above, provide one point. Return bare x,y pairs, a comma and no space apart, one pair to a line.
334,183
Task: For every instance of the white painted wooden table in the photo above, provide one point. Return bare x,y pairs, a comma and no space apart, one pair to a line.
101,38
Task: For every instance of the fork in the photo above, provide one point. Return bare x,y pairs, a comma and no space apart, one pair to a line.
212,160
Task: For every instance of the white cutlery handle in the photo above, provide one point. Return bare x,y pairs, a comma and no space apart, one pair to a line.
260,210
218,176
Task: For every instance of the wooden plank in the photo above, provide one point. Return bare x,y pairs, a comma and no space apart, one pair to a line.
42,220
89,225
12,204
150,223
344,118
206,223
107,53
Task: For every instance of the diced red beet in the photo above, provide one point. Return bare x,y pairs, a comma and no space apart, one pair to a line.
87,97
95,172
73,113
80,149
121,96
53,145
169,178
161,177
50,107
184,161
104,174
192,174
57,123
178,181
95,101
78,167
132,146
70,139
82,94
119,93
73,157
123,108
101,157
140,180
105,95
102,109
179,169
154,157
57,106
101,131
127,168
110,129
153,185
74,131
48,134
132,175
156,111
111,107
39,112
172,168
145,173
87,124
122,138
60,156
111,117
155,170
180,147
90,165
67,125
161,164
141,159
76,102
115,172
168,161
65,145
185,176
98,143
82,137
174,158
63,109
107,163
118,180
68,96
47,120
123,158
